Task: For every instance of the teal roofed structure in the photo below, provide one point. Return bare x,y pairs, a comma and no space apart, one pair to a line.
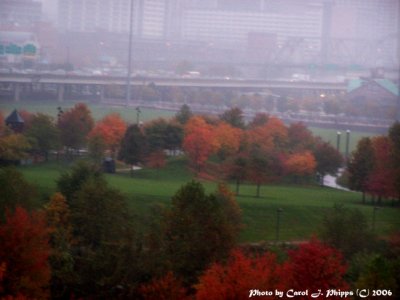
384,83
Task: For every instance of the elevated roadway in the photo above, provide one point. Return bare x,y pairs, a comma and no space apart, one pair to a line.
169,81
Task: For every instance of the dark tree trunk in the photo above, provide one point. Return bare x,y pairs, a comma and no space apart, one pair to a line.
237,186
258,190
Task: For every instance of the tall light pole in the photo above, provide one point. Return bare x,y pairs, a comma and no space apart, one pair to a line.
347,143
338,134
128,75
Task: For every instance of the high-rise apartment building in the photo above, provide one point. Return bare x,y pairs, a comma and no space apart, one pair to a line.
20,13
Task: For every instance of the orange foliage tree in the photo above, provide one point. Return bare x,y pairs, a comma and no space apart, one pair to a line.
199,142
300,164
228,137
24,254
112,129
240,275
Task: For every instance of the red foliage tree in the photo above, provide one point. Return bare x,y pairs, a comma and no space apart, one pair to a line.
25,250
165,288
380,181
75,124
112,129
300,138
240,275
314,266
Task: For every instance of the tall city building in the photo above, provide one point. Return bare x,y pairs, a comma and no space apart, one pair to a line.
20,13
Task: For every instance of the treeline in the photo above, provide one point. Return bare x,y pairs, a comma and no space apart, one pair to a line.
374,167
86,243
220,148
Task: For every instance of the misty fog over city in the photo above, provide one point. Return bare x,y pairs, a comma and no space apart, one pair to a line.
199,149
338,42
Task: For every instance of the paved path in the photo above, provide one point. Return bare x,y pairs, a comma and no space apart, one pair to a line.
330,181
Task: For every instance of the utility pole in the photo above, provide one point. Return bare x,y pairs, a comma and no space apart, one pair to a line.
398,62
128,75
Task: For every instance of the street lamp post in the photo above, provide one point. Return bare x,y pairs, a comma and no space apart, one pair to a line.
278,218
128,75
347,143
138,111
338,141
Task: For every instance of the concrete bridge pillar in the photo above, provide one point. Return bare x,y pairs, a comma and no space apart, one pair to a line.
101,92
60,93
17,92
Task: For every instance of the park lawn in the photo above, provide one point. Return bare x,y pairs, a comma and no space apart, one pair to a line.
303,206
129,114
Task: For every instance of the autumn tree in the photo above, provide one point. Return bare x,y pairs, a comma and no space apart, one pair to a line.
193,219
236,168
299,137
315,266
380,180
14,147
133,146
96,148
24,251
300,164
259,119
360,166
44,133
167,287
394,136
228,138
328,159
112,129
240,275
199,142
234,117
74,125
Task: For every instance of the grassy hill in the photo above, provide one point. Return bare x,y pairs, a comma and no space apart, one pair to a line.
303,206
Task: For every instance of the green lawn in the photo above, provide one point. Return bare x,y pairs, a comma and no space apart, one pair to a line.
98,110
303,206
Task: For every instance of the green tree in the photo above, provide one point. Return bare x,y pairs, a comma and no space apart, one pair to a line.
328,159
15,190
72,180
106,253
346,230
133,146
234,117
96,148
44,133
184,114
200,229
360,166
61,258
